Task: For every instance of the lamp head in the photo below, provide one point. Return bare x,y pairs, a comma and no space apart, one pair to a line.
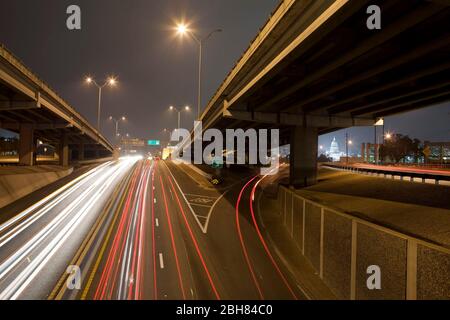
112,81
182,29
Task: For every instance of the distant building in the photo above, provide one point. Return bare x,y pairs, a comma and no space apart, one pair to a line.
437,152
334,152
370,152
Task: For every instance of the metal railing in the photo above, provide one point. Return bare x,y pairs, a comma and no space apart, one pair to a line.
338,246
437,178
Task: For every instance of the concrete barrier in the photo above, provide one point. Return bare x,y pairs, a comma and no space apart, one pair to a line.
17,185
341,247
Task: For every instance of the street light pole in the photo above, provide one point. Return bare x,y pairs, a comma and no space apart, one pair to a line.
116,121
110,82
346,146
183,29
347,143
99,107
200,66
187,108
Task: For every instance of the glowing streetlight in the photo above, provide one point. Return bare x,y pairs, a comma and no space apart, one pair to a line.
117,121
388,136
348,142
111,82
186,108
182,30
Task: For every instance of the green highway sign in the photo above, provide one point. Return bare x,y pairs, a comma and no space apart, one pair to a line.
154,143
217,163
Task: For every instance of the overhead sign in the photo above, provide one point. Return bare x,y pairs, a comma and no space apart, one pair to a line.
217,163
133,142
154,143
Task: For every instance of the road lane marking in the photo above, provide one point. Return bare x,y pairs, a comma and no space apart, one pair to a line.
200,205
186,200
157,222
200,196
161,261
154,200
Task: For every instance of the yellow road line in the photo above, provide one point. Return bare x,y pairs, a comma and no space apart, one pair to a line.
59,290
105,244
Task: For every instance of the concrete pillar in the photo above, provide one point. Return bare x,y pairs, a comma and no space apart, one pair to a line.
116,154
63,151
81,152
26,145
303,157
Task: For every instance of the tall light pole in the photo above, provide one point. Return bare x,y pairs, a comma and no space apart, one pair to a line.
117,121
347,143
111,82
172,108
183,29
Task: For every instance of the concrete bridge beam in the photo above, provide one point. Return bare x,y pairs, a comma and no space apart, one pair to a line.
303,156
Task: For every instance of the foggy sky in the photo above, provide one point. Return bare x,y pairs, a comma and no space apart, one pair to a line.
134,40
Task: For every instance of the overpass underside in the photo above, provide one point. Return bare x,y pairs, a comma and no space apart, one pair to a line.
318,68
31,109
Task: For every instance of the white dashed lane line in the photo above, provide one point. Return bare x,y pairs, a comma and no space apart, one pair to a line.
161,261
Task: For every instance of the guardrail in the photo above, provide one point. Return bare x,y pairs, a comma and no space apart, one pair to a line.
342,247
437,178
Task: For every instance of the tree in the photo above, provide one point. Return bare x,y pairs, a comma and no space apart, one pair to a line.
401,146
324,158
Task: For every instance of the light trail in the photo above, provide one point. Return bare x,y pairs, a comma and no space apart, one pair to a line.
194,240
263,242
241,240
16,272
172,238
123,272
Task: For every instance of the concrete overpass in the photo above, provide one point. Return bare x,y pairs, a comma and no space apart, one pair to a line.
31,108
315,67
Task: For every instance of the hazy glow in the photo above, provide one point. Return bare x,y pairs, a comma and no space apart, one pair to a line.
112,81
182,29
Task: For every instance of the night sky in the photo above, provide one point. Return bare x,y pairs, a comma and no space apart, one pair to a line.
134,41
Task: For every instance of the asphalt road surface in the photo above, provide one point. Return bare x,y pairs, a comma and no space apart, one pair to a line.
162,235
37,243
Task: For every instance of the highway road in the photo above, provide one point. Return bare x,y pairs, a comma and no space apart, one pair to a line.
36,243
165,236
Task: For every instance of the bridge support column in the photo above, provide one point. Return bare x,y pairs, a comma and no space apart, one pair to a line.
303,157
63,151
26,145
81,152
